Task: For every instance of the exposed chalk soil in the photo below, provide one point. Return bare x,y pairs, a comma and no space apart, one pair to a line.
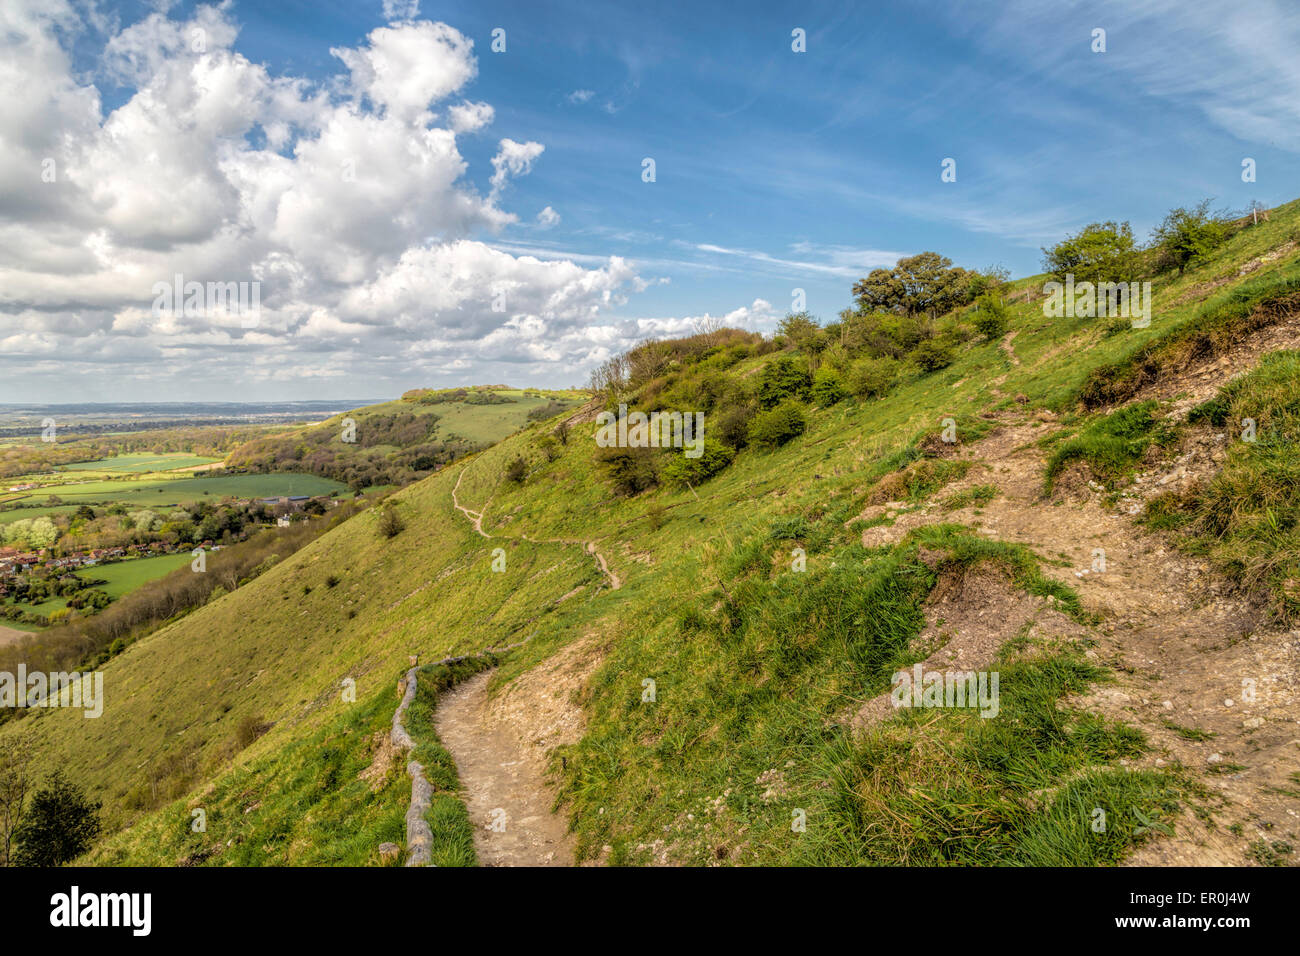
504,782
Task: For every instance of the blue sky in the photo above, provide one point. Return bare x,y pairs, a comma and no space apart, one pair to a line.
831,158
775,170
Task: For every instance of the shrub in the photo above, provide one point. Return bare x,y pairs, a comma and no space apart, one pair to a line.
247,730
783,379
1099,252
631,470
991,318
932,355
682,471
776,426
390,522
872,377
828,388
550,448
517,470
60,825
733,424
1187,237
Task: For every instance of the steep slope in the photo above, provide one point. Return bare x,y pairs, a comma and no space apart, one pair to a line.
718,718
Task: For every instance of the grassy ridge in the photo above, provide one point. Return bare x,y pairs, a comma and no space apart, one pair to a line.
752,661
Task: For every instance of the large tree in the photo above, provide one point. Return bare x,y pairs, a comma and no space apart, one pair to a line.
1187,236
924,283
1099,252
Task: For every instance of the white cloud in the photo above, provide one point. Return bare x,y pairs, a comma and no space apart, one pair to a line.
468,117
830,260
404,69
547,218
580,96
513,159
347,199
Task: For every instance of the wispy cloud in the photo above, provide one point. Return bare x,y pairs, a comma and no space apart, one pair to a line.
831,260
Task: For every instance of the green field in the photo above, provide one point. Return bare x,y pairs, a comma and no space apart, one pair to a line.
475,423
121,577
172,491
138,464
17,514
125,576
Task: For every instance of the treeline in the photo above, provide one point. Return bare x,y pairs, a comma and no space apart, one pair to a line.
907,322
469,396
212,442
87,642
1108,251
388,449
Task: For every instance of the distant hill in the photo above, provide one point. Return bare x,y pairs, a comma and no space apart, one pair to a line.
396,442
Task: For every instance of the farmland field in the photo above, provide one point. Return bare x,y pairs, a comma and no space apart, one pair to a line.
168,491
138,464
121,577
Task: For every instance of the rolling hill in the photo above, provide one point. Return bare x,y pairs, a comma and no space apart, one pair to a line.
716,642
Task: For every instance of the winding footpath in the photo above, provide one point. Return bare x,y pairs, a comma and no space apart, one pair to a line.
501,762
476,519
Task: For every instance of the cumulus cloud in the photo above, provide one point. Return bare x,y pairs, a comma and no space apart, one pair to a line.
581,96
468,117
513,159
548,217
347,198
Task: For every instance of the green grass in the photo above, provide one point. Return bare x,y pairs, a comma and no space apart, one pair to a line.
304,804
1247,516
1112,445
975,495
1019,789
133,464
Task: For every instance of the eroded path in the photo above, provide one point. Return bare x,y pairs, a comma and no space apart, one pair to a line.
504,786
501,744
1213,684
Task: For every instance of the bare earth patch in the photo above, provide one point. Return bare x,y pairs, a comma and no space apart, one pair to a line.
971,613
1200,670
500,744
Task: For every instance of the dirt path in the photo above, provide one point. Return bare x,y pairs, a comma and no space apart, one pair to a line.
1200,671
506,793
476,519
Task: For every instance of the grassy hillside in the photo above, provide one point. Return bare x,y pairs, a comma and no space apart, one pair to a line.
395,442
238,708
